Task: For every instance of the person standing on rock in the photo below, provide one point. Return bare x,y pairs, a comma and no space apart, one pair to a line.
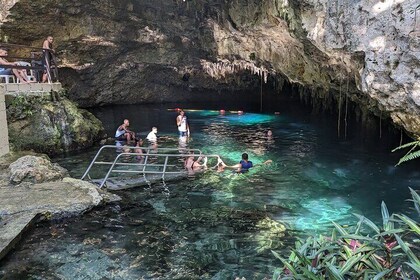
123,133
182,123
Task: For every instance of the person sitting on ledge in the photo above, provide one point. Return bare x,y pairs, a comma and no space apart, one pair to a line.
123,133
19,73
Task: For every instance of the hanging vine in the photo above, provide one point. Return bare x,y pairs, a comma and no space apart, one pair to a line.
339,109
345,115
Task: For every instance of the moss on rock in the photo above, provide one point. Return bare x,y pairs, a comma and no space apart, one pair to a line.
51,127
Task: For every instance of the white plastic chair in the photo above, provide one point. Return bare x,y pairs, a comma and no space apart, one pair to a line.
31,75
5,79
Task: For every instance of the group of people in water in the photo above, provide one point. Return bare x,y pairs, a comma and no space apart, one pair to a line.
191,164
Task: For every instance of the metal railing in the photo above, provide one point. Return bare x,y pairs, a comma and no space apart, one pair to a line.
162,153
41,60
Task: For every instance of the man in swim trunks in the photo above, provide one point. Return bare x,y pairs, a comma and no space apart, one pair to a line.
123,133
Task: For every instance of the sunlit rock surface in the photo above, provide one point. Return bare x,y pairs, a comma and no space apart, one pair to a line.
35,169
155,51
32,184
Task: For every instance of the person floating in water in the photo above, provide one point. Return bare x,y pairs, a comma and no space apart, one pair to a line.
123,133
243,166
182,123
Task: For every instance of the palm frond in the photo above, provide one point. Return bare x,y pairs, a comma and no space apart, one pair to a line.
414,143
409,156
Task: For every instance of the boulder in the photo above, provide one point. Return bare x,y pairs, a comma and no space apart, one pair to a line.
51,127
35,169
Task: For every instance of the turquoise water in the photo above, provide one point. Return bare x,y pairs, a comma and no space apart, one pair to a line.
220,225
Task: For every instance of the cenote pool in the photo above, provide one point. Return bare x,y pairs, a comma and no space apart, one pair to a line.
219,225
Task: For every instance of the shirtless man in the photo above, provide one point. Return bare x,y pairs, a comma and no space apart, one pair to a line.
123,133
46,55
182,123
19,73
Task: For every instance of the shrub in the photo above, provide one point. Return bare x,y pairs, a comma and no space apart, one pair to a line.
367,251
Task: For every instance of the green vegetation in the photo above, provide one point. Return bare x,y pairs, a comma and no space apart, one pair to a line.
365,251
413,153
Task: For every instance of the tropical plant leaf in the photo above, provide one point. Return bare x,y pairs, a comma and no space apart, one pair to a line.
340,229
335,273
358,227
385,214
348,252
303,259
350,263
373,263
406,145
277,274
388,232
416,200
310,274
381,274
371,240
364,249
276,254
416,267
407,250
286,264
409,156
368,222
327,248
409,222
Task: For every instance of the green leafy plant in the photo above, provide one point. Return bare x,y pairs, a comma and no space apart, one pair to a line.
366,251
21,107
413,153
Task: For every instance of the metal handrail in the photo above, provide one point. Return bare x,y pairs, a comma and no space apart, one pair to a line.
158,152
47,67
115,147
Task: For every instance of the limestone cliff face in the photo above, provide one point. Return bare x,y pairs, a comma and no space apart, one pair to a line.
153,51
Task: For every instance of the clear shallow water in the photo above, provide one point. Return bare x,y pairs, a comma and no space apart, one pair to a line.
219,225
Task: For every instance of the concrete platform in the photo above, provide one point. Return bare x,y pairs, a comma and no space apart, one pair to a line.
31,88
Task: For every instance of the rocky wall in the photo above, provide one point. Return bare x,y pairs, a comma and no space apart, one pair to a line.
162,51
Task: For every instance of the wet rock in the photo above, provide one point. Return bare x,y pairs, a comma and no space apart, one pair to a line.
35,169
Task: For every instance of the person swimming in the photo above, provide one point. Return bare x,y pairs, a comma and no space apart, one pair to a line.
243,166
